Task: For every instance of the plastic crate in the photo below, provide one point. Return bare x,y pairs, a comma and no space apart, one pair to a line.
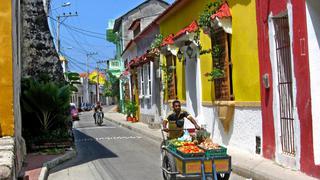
221,152
172,147
190,154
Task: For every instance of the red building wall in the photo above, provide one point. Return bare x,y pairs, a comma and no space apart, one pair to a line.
301,73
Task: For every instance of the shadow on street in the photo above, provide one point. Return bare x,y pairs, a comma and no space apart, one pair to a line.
88,149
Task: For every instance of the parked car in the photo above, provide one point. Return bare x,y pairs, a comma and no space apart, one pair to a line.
74,112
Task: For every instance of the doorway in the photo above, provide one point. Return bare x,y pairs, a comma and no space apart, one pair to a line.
284,73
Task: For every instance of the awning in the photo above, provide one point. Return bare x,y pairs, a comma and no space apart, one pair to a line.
222,18
168,40
173,42
139,61
190,28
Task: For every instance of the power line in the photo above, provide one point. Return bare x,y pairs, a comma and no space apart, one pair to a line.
73,27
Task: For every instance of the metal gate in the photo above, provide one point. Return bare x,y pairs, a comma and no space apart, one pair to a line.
284,67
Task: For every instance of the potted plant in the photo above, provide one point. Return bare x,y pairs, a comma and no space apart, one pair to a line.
133,110
127,111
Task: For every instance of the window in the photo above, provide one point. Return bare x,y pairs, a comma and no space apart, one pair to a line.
171,76
136,31
149,87
222,61
141,82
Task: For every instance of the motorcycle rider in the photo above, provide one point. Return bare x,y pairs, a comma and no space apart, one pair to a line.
97,108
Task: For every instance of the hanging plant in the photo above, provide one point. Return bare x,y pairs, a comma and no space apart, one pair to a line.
167,74
157,42
205,16
216,73
205,51
216,51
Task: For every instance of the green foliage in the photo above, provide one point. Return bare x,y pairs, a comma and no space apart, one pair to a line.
211,8
46,102
72,79
111,86
112,36
131,108
52,136
157,41
216,73
167,74
216,51
205,51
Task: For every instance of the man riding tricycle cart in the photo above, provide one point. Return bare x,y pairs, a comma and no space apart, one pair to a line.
187,153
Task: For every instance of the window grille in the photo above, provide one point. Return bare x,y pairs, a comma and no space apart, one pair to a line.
171,76
283,53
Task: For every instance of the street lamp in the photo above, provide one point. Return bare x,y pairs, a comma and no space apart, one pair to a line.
66,4
63,5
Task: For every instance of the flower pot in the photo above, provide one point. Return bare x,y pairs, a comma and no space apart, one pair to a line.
134,119
129,118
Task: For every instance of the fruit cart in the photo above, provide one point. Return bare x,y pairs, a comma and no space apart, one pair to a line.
176,164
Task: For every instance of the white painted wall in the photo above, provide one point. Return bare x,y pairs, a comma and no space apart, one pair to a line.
281,158
313,25
193,85
245,126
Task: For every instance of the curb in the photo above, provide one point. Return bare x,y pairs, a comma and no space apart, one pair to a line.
156,138
55,162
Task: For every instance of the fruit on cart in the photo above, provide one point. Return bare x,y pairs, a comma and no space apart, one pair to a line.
208,144
176,142
190,149
186,143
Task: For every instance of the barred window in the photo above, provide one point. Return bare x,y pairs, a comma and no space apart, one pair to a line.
171,76
222,62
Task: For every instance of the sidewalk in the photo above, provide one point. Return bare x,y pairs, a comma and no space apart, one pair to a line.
33,165
243,163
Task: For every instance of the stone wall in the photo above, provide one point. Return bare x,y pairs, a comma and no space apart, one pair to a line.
7,165
38,53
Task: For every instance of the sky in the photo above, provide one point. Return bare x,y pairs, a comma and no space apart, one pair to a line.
84,34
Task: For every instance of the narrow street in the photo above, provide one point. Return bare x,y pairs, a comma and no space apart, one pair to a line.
111,152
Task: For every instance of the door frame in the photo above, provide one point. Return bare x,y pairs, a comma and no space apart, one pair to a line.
283,158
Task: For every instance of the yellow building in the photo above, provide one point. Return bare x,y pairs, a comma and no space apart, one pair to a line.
6,74
10,116
217,78
96,77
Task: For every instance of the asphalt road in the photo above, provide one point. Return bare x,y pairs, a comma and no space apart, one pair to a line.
111,152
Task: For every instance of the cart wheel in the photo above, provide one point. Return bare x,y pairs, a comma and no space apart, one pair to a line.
223,176
169,164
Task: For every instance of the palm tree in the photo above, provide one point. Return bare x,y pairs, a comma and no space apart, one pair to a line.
47,101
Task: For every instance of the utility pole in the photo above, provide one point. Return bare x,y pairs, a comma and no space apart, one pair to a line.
98,75
87,64
65,16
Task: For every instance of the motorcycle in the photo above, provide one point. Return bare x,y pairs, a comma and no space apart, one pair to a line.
99,117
